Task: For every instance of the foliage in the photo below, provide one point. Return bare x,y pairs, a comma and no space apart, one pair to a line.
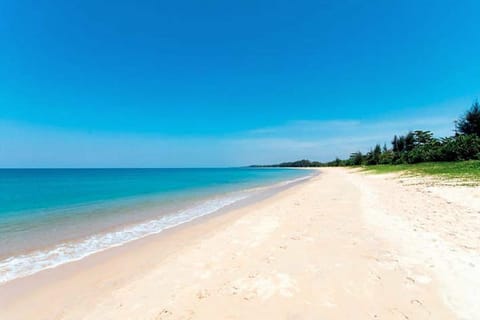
417,147
295,164
421,146
373,157
468,170
356,159
470,122
460,147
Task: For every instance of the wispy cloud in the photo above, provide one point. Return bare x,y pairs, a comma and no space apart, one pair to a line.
325,140
306,128
24,145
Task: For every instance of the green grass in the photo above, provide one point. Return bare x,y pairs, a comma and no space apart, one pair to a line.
463,170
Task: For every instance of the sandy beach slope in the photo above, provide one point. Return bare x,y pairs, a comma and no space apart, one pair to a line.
343,245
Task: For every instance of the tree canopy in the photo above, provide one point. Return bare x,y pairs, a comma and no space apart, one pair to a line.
470,122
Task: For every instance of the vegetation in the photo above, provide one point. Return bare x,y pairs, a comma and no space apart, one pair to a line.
465,170
470,123
295,164
427,154
421,146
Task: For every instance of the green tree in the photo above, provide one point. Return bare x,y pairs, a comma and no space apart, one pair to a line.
470,122
460,147
401,144
373,157
356,159
377,152
409,141
387,157
395,147
422,137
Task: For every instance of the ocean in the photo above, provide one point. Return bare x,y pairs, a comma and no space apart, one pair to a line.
49,217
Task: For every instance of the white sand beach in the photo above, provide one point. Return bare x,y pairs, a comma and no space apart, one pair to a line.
342,245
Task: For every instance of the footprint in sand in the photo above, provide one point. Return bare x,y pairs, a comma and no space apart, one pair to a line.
164,314
203,294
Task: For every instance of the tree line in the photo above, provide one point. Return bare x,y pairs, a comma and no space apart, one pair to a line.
416,146
421,146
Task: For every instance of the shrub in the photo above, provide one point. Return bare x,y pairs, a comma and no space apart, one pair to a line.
460,147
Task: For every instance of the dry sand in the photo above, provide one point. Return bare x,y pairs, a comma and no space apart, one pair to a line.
342,245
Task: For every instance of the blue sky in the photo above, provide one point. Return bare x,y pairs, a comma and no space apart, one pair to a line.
227,83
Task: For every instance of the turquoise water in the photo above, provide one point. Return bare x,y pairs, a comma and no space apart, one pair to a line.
51,216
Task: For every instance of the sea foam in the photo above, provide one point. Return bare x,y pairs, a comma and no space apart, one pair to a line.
28,264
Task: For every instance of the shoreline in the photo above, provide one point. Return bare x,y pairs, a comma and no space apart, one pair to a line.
199,209
185,233
339,245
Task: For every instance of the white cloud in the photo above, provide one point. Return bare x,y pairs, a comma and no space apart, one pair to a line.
32,146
